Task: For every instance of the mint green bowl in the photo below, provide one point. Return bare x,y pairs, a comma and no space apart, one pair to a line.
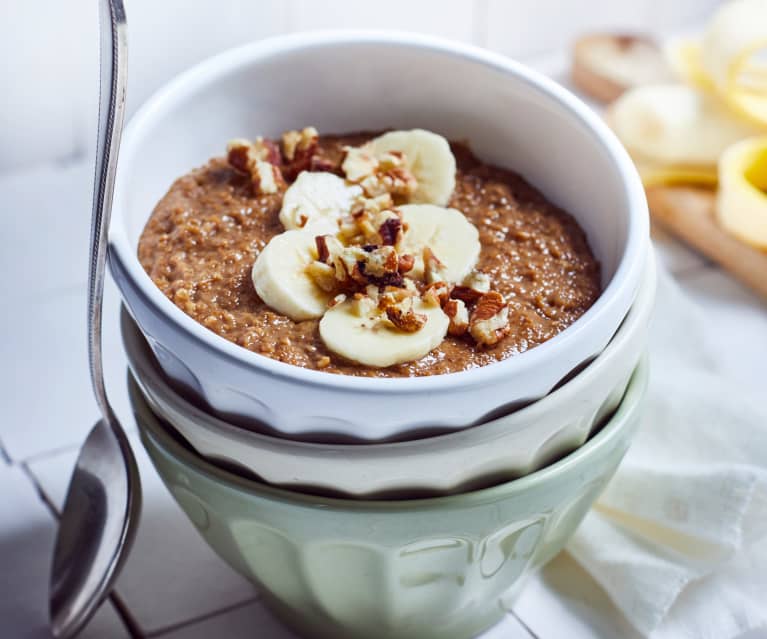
445,568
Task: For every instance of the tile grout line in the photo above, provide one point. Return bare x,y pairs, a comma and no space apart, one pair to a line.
122,611
127,620
40,492
4,456
523,624
51,452
155,634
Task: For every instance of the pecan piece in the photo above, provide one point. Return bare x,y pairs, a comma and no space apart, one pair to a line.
437,294
433,269
489,323
391,231
298,148
459,317
473,287
401,313
259,159
465,294
406,263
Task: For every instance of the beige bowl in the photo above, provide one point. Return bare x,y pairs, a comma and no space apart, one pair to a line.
484,455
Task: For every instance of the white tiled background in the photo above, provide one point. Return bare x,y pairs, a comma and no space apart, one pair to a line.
173,586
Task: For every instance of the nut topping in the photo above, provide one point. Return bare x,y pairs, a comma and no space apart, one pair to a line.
295,143
433,269
401,313
299,148
385,174
489,322
259,159
459,317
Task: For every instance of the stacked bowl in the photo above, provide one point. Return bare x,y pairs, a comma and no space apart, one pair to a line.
367,507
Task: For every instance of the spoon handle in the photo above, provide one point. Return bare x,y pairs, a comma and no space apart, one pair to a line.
114,77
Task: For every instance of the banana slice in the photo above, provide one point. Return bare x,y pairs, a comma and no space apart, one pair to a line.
605,65
429,158
450,236
279,275
316,200
675,125
660,175
368,340
742,199
729,58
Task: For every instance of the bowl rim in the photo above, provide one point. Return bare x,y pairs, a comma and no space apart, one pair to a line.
146,371
630,404
200,75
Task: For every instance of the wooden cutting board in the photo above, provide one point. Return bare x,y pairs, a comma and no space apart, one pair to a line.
688,213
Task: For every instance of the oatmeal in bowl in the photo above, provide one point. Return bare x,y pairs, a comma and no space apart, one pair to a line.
460,256
393,255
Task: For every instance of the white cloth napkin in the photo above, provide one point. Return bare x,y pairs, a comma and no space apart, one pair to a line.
678,540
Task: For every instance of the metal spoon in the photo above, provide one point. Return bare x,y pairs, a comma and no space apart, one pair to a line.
103,502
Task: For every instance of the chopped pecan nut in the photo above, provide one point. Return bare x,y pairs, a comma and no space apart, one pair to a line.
297,142
473,287
478,281
323,275
370,223
380,261
489,322
398,182
299,148
358,163
323,164
437,293
259,159
391,231
465,294
459,317
387,173
433,269
266,177
323,252
401,313
406,263
364,305
243,154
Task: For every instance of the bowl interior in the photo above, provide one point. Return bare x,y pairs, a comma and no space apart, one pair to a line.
510,115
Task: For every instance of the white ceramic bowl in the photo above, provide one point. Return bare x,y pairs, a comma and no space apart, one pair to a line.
347,81
498,450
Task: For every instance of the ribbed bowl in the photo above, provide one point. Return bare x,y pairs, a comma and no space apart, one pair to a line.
443,568
501,449
351,81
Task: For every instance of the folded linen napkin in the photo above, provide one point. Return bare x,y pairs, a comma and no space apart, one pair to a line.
678,540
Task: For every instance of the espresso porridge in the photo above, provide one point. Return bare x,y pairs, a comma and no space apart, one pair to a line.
370,258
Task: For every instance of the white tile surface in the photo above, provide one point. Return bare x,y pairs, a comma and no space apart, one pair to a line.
170,36
253,619
525,27
447,18
44,385
27,534
243,622
171,576
47,212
